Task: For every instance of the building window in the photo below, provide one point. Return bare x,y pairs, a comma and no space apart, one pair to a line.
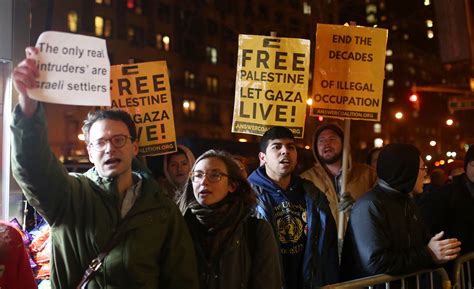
72,21
136,6
212,84
211,54
211,27
189,108
162,42
306,8
164,12
189,78
215,113
103,2
108,28
99,26
135,35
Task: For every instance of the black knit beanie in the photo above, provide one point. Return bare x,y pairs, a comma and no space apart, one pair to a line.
399,165
469,156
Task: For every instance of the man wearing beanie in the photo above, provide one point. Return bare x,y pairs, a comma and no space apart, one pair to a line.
385,234
326,174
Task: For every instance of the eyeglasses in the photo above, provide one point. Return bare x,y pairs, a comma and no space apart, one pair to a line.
212,176
117,141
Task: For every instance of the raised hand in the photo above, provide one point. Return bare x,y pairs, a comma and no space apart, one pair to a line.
24,78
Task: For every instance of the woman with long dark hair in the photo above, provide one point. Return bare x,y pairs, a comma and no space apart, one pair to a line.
233,249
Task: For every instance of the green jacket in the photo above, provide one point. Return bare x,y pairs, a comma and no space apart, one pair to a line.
83,212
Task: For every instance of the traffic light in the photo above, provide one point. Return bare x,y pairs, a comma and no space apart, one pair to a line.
415,101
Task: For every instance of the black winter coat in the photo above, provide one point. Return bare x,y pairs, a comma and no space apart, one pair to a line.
249,259
385,235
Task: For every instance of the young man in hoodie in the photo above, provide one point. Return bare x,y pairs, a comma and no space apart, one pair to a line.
326,174
298,212
386,234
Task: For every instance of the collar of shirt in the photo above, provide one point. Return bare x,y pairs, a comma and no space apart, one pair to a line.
131,195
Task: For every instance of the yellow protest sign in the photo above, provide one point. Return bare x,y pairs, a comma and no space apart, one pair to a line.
349,71
271,84
143,90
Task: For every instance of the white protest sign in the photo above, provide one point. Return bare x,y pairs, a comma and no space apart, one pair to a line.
74,69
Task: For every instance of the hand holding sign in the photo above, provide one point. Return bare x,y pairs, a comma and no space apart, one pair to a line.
73,69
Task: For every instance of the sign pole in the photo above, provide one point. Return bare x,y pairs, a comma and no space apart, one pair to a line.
345,164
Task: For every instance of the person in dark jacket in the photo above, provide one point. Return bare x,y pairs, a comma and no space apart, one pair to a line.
451,207
385,233
298,212
233,249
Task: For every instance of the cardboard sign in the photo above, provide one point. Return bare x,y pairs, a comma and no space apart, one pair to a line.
143,90
349,71
271,84
74,69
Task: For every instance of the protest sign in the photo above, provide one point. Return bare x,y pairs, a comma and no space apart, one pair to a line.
349,71
271,84
73,69
143,90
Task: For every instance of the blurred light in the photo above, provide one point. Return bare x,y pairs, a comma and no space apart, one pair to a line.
427,3
378,142
389,67
432,143
429,23
320,118
436,164
377,128
390,82
442,162
307,147
430,34
449,122
413,97
391,99
399,115
450,161
406,36
166,40
428,157
453,154
389,52
309,101
81,137
186,104
243,140
448,154
466,147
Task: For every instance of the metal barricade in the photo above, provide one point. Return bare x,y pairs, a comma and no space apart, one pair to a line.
462,272
371,281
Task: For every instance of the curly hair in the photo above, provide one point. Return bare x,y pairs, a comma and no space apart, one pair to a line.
243,189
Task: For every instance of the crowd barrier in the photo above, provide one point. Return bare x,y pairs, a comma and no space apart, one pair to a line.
371,281
462,272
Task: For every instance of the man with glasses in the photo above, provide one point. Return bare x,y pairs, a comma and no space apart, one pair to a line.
112,221
298,212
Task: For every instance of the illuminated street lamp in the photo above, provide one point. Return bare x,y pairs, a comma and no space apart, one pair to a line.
399,115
